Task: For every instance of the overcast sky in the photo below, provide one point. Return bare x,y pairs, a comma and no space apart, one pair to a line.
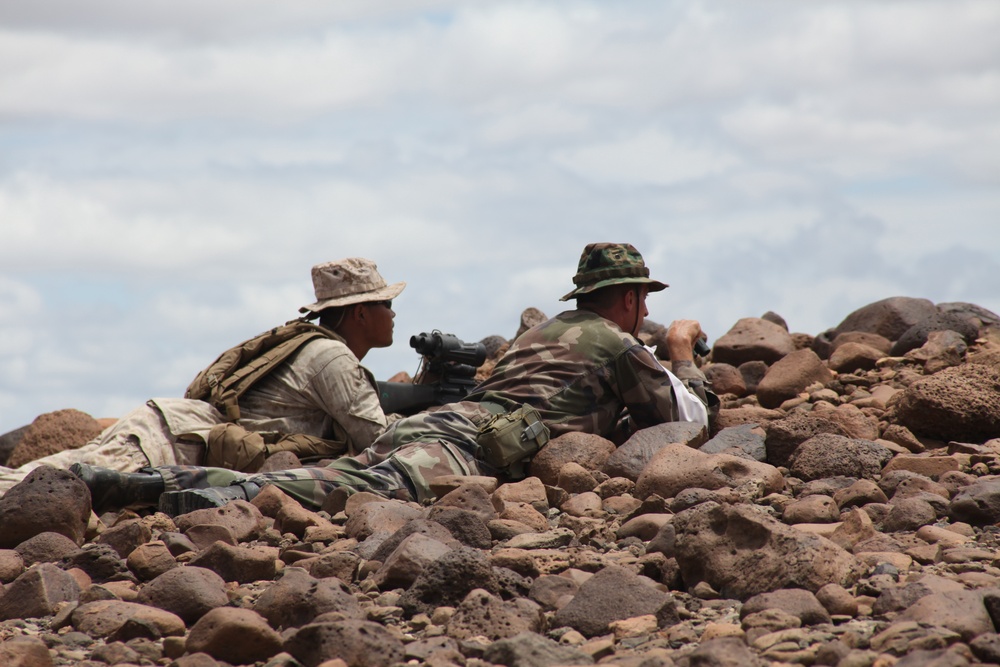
170,170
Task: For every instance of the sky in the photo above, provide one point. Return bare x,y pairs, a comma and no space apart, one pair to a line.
170,171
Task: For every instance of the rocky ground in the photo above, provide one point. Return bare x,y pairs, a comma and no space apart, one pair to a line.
843,511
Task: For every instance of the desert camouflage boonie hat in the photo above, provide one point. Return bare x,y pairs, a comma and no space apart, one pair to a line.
604,264
347,281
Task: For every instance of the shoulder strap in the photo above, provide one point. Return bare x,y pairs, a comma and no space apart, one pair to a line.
240,367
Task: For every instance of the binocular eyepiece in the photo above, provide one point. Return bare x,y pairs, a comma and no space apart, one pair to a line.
447,347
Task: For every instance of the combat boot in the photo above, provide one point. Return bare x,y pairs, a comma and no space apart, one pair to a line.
110,489
175,503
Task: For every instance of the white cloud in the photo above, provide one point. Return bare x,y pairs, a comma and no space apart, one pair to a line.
169,171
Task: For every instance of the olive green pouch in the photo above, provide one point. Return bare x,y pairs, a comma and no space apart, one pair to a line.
510,437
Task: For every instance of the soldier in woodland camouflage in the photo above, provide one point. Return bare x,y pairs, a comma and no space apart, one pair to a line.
583,371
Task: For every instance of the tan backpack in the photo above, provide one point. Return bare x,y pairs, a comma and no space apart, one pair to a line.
240,367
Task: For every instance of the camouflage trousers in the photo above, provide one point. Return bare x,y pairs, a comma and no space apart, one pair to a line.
402,463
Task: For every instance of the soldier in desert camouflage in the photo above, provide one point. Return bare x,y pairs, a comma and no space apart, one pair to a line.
581,371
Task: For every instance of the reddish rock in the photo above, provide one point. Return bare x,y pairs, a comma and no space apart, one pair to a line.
297,598
615,593
631,458
38,592
54,432
741,551
190,592
726,379
240,518
240,564
24,651
380,515
960,403
104,618
753,339
47,500
484,615
790,376
677,467
236,636
45,548
357,643
851,357
828,455
588,450
889,318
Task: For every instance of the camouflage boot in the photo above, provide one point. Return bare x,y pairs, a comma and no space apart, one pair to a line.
110,489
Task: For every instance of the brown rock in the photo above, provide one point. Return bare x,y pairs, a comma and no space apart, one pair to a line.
47,500
631,458
11,566
24,651
613,594
574,478
789,376
38,592
959,611
295,519
357,643
811,509
126,536
45,548
852,357
54,432
236,636
240,564
880,343
150,560
472,497
889,318
588,450
243,520
530,317
529,491
408,560
784,436
297,598
828,455
726,379
381,515
106,617
960,403
795,601
741,551
677,467
190,592
483,615
447,581
752,339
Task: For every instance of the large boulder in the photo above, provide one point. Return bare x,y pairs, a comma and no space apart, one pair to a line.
753,339
47,500
785,435
54,432
917,334
789,376
889,318
829,455
741,551
586,449
613,594
634,455
960,403
677,467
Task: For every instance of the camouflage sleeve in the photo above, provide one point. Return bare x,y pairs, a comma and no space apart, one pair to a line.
646,388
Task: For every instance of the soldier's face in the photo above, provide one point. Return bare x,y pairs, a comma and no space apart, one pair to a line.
380,323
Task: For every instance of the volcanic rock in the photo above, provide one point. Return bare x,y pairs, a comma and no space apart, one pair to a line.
59,502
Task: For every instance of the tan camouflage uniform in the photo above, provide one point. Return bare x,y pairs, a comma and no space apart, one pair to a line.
321,391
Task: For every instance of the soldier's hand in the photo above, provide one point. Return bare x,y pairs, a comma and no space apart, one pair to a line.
681,337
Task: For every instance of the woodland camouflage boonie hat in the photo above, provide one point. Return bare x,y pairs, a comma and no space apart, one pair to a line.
347,281
604,264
